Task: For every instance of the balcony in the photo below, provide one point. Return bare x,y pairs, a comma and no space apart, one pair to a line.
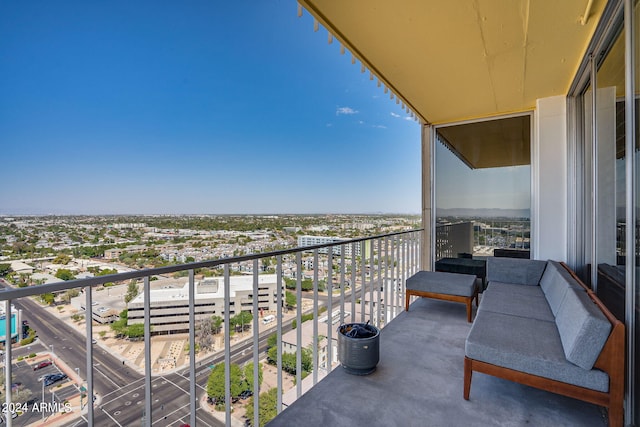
417,382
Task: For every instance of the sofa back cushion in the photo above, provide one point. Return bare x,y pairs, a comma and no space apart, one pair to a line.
583,328
515,270
555,282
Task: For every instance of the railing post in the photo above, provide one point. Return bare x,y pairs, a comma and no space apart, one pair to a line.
363,282
7,359
227,345
89,349
316,363
329,309
392,262
192,349
342,272
353,282
279,332
147,353
298,325
372,318
256,347
387,286
379,287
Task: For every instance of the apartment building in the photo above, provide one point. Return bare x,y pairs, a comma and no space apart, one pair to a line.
322,240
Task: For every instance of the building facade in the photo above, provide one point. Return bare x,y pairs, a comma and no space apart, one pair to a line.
169,308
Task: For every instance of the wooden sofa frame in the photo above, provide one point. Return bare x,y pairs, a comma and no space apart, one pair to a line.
611,361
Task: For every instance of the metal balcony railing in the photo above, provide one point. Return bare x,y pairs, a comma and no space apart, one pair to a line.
364,279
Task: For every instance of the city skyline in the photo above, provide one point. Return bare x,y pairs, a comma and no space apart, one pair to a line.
147,108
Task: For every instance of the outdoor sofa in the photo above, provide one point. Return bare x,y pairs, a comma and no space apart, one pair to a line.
539,325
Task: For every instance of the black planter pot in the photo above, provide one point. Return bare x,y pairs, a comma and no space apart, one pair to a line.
358,347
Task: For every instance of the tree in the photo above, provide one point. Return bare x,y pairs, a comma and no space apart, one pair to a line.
119,327
241,320
135,330
48,298
71,293
216,323
289,360
272,341
105,272
62,259
205,332
267,407
290,299
5,269
65,274
215,383
132,292
305,284
248,376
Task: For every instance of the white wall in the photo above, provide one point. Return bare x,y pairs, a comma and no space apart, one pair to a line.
549,180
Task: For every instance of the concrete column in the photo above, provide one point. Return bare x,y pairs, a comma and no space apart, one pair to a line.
427,198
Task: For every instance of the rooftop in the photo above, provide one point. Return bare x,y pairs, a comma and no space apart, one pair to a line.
211,287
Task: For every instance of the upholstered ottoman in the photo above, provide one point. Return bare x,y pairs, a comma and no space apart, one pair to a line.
443,286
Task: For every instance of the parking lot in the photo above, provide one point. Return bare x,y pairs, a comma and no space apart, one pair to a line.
45,400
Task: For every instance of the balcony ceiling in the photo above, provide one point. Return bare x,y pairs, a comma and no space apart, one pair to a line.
465,59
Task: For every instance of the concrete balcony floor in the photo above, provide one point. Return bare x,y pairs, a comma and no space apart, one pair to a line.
419,380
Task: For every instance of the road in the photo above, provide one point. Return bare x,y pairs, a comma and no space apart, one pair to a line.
122,388
112,380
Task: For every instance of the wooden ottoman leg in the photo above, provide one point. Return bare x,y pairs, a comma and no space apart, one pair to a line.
469,300
406,301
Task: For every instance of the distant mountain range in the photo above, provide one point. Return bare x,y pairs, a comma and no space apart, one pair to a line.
484,213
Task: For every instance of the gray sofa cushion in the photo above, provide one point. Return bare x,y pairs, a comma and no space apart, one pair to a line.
583,328
511,289
554,282
515,304
527,345
514,270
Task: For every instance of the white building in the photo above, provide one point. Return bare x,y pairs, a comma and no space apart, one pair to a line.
322,240
170,307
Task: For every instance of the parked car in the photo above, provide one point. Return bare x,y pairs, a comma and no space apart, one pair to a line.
52,379
42,365
246,394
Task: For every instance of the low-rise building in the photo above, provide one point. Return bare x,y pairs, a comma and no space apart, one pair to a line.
169,308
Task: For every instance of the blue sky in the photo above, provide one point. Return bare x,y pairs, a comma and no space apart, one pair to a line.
133,107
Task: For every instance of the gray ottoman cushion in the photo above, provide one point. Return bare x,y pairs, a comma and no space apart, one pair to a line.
442,283
583,328
527,345
514,270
